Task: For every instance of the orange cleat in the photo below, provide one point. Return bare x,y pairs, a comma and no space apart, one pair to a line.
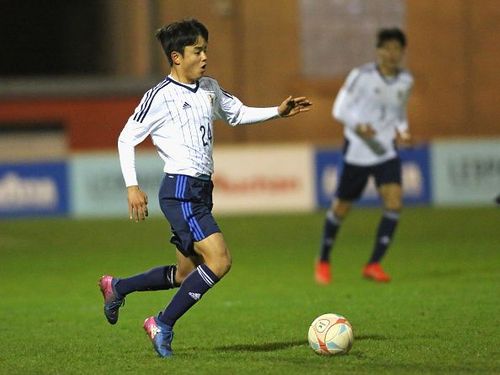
322,272
375,272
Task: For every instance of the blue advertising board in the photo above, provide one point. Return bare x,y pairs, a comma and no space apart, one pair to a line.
416,177
33,189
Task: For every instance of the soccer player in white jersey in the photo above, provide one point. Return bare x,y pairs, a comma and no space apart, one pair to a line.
178,114
371,105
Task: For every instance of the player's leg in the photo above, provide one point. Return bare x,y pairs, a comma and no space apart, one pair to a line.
161,334
185,265
333,220
388,180
115,290
334,217
158,278
186,203
217,262
391,195
352,183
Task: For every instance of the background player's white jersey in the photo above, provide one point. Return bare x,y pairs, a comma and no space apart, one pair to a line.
367,97
179,117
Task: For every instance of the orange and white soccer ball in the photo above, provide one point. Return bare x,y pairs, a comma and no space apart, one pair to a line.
330,334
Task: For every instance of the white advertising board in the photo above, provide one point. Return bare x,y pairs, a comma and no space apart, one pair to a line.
465,172
266,178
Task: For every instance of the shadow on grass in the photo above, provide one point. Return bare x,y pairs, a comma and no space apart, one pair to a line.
273,346
262,347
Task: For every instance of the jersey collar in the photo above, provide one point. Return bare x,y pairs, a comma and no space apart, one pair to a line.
388,80
193,87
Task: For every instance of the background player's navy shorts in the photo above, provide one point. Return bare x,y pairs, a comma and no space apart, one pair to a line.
187,204
354,178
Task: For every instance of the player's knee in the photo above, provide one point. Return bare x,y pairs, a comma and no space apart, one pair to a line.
341,214
341,209
220,264
392,202
393,206
225,264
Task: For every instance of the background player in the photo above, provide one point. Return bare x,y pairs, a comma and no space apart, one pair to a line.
178,114
372,107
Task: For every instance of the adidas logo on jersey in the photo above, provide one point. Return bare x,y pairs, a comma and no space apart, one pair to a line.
186,105
195,296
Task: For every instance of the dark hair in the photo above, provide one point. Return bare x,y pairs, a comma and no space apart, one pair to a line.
176,36
395,33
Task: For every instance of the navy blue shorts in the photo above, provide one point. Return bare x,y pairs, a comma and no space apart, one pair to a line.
354,178
187,204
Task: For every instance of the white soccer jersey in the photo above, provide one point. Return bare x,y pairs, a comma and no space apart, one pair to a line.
179,117
369,97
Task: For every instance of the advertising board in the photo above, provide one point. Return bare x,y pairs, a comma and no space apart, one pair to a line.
33,189
415,169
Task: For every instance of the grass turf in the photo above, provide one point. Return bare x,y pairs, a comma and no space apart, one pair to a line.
439,315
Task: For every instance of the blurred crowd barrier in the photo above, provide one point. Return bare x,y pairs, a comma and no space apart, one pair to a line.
249,179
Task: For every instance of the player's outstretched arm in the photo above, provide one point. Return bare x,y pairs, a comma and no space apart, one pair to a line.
293,106
137,203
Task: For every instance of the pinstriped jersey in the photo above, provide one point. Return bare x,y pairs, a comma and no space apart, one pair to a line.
179,118
369,97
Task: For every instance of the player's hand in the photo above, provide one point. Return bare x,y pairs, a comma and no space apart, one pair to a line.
405,138
292,106
365,131
137,203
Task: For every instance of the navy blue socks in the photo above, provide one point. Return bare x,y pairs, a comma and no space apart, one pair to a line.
385,232
192,289
159,278
332,225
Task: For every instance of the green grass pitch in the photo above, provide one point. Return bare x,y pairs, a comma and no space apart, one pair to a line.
439,315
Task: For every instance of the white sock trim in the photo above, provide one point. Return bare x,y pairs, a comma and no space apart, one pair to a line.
393,215
205,276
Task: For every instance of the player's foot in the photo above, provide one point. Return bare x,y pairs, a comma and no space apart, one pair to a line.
160,335
322,272
112,300
375,272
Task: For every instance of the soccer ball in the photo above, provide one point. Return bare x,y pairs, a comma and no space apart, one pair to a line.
330,334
